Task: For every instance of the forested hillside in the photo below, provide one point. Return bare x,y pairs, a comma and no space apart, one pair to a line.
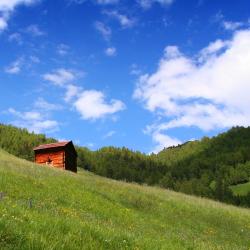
20,142
217,168
210,167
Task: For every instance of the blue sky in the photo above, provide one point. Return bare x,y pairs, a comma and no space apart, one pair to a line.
143,74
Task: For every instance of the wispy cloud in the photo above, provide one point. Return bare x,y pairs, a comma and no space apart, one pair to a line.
34,121
229,25
124,20
14,67
135,70
60,76
100,2
34,59
89,145
16,37
106,2
34,30
109,134
63,49
146,4
111,51
104,30
71,92
43,105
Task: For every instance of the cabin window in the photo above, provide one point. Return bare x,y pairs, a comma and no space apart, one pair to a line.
49,161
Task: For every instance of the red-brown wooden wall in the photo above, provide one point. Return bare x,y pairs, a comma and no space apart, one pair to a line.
56,157
63,157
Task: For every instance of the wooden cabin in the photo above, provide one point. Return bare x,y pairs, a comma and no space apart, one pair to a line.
59,155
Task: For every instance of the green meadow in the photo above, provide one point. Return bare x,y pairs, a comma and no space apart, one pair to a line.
45,208
241,189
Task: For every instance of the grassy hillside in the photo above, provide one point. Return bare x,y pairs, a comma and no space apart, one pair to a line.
45,208
190,168
241,189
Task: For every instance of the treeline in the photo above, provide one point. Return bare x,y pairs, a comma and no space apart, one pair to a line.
122,164
205,168
20,142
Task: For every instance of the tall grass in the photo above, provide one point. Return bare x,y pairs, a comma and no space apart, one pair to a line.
45,208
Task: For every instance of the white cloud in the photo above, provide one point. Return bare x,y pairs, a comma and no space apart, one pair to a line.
111,51
59,77
124,20
208,91
213,48
20,64
31,116
89,145
34,30
146,4
228,25
14,67
7,7
91,105
46,126
109,134
163,141
3,24
105,31
33,121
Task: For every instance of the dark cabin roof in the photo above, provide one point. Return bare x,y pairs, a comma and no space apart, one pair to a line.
55,145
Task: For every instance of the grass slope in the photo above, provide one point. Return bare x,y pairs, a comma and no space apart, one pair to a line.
84,211
241,189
